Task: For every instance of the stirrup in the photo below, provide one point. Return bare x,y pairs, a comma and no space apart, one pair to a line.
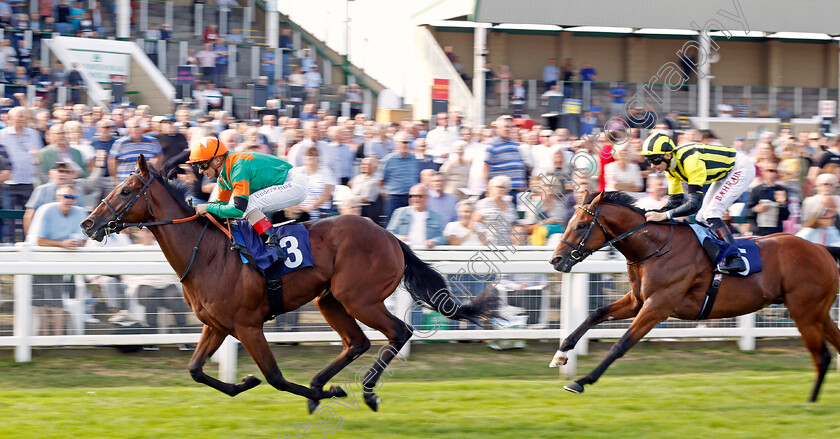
734,265
273,242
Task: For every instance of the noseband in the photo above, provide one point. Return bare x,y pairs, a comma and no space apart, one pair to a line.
115,224
580,253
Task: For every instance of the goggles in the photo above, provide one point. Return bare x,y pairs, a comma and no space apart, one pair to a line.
656,159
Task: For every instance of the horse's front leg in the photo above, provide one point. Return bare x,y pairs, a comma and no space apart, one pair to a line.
211,339
651,314
624,308
253,340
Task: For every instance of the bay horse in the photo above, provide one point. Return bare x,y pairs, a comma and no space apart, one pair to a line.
669,274
357,265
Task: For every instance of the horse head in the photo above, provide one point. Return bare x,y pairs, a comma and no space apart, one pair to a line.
580,238
123,205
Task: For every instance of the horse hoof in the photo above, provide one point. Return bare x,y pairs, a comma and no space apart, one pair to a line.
574,387
250,381
312,405
373,400
337,392
559,359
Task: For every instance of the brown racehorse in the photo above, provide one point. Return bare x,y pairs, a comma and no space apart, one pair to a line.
669,274
357,264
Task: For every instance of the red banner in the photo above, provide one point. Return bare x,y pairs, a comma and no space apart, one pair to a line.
440,89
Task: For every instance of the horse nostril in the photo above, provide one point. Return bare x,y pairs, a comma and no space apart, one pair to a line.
87,224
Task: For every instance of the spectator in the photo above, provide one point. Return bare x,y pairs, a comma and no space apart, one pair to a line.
398,173
58,150
222,58
724,109
456,170
587,73
544,213
214,97
56,225
235,37
551,73
617,94
306,61
313,79
505,77
821,227
356,99
767,206
826,185
320,182
495,212
350,206
657,193
310,138
296,79
211,34
365,188
744,108
462,231
622,174
503,156
377,144
21,147
125,152
207,61
76,82
415,224
172,144
439,140
152,37
439,201
830,156
568,75
341,155
267,67
424,160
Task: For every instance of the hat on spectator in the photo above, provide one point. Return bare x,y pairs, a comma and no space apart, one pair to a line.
739,139
826,179
157,119
814,136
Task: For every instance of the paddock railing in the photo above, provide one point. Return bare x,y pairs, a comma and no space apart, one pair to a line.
103,302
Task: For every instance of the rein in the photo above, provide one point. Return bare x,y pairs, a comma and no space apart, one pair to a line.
580,253
116,224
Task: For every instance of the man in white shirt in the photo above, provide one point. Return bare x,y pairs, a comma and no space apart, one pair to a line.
657,193
310,138
439,140
724,109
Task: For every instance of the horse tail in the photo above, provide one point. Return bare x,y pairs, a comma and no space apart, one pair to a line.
835,251
428,287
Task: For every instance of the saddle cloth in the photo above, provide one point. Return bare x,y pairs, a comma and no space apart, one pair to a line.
747,249
293,237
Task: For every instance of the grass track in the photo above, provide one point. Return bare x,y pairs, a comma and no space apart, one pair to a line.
443,391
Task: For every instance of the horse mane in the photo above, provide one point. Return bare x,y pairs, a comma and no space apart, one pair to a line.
619,198
177,189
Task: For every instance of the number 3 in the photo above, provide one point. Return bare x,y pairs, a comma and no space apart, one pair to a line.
295,257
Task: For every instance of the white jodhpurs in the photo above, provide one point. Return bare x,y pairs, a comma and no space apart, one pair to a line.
726,191
274,198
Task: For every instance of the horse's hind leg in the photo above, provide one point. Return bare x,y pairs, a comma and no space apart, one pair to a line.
376,316
210,340
354,340
621,309
648,317
253,340
813,329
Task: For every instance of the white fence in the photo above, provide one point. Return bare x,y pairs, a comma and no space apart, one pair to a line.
555,303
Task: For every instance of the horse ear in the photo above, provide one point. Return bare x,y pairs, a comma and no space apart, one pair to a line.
142,166
597,199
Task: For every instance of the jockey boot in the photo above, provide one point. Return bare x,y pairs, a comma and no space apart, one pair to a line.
733,263
273,242
263,226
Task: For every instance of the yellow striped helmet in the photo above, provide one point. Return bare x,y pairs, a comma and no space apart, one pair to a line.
657,143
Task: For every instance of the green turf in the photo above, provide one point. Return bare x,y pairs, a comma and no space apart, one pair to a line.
442,391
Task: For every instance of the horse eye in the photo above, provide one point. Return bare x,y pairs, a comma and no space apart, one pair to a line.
581,225
125,192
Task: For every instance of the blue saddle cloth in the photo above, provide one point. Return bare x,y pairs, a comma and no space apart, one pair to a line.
293,237
747,249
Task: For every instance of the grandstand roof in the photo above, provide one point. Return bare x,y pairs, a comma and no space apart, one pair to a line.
764,16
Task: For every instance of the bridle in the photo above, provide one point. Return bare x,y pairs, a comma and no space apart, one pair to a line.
115,224
580,253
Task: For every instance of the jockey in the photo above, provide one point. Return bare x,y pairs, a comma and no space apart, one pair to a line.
728,172
249,184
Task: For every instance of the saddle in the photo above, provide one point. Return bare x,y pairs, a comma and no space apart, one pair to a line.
253,251
718,250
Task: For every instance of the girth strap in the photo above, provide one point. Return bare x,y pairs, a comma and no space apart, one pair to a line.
711,295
